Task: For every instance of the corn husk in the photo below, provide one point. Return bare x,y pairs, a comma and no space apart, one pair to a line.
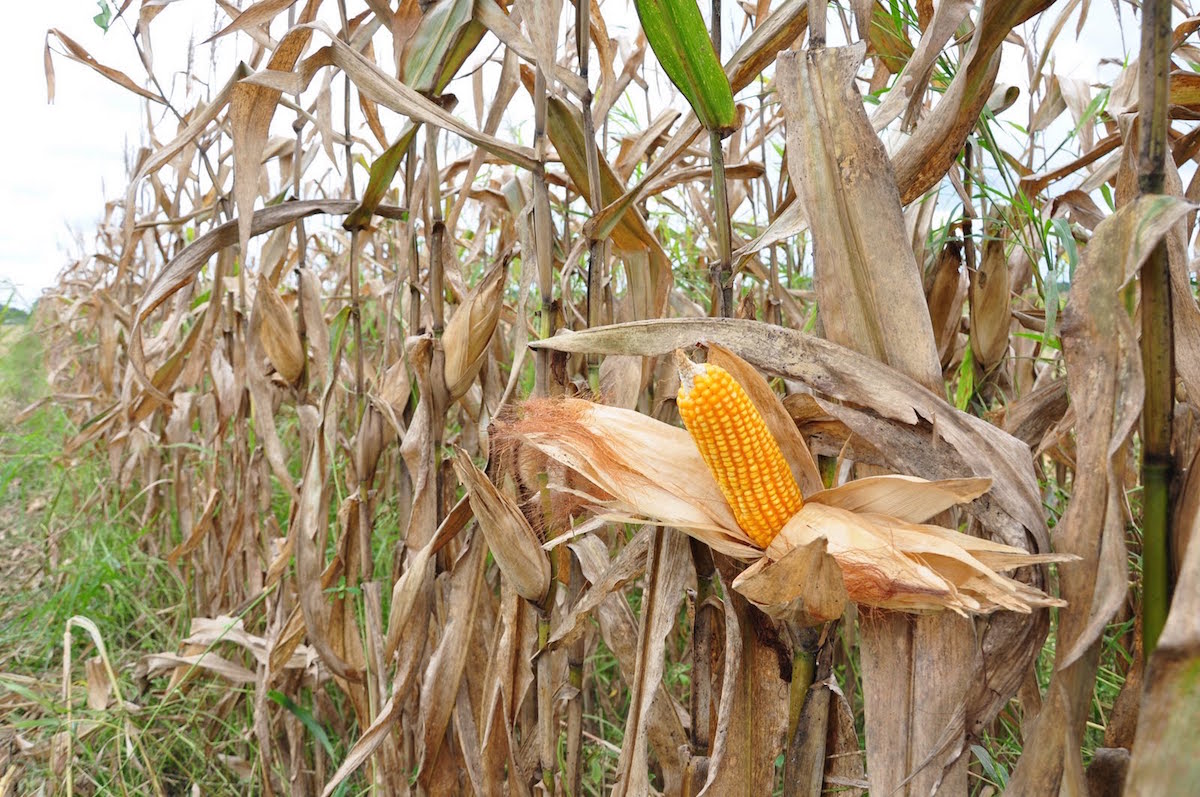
277,332
513,543
470,330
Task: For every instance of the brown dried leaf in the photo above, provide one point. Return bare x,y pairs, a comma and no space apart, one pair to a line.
805,585
515,546
752,716
251,109
443,675
666,570
870,290
629,564
77,53
621,381
909,86
925,158
259,13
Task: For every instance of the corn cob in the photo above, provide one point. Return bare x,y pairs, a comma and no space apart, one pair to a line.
739,450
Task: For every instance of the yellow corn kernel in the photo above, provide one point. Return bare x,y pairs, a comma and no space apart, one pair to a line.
739,450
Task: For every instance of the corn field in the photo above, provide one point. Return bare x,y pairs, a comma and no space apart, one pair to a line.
633,398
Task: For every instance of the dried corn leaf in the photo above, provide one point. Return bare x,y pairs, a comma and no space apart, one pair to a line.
666,570
628,565
752,715
251,109
443,675
77,53
909,86
803,585
925,158
258,13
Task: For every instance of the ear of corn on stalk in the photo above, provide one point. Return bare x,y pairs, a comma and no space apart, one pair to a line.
726,481
739,450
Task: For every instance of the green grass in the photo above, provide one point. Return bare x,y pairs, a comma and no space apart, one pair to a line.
68,548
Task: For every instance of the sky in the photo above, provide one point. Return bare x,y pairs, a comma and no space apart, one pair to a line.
62,161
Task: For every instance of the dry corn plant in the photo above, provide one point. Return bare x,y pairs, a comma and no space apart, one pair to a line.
396,380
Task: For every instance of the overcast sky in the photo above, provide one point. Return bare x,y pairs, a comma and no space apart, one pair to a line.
62,161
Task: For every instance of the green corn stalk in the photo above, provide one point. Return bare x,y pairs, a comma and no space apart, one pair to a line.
1157,334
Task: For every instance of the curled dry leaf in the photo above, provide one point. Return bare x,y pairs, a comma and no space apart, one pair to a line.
1106,386
513,543
666,571
874,285
277,332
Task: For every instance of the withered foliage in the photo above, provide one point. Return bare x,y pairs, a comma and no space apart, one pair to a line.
308,378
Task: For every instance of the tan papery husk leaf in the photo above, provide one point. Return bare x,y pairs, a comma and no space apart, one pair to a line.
470,330
515,546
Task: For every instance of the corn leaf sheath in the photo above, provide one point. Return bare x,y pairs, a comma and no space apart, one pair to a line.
869,291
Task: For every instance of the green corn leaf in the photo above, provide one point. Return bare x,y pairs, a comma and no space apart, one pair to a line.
383,171
436,41
680,41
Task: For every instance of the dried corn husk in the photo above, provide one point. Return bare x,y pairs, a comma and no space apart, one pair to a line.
513,543
277,332
470,330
